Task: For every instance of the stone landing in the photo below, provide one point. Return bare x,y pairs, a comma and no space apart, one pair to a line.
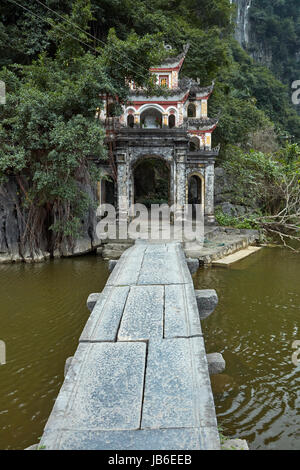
238,256
218,243
139,378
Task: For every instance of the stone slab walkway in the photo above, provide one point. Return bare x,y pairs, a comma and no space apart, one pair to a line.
139,378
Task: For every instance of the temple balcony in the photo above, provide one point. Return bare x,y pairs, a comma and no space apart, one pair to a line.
202,153
160,137
203,123
112,123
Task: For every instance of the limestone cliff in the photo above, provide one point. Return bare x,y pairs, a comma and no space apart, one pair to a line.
12,217
242,31
269,32
245,34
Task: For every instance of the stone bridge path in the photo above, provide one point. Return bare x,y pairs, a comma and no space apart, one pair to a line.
139,378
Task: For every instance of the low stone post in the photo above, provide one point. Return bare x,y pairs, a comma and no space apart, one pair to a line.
92,300
111,264
193,264
67,365
235,444
216,363
207,300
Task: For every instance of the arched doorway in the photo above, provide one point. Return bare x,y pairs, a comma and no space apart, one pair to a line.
194,144
130,120
172,121
151,176
107,191
151,118
195,193
191,111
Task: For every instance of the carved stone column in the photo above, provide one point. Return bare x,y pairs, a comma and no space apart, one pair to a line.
165,120
180,196
209,209
137,120
123,196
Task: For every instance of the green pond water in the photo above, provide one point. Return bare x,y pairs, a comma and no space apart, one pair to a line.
42,313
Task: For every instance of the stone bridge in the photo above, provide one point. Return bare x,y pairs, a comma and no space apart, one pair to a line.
139,378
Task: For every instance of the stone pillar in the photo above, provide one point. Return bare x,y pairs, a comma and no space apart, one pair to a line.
137,121
208,140
181,179
181,114
174,79
123,202
165,121
209,209
102,192
180,195
172,182
203,108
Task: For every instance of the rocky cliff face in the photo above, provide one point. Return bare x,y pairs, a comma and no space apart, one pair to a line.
12,226
245,34
242,32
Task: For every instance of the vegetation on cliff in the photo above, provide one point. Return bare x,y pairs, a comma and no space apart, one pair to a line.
275,36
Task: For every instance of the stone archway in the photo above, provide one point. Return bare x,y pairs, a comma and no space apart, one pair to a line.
151,177
151,118
194,144
195,193
106,191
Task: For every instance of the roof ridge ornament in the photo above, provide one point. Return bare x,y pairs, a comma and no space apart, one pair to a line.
186,47
168,47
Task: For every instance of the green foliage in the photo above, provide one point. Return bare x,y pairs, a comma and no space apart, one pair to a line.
132,58
118,26
23,33
257,177
48,131
290,155
248,98
236,222
276,28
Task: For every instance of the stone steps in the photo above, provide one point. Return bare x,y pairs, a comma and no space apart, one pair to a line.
237,256
114,249
226,242
218,243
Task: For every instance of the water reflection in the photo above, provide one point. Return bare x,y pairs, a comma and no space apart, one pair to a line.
257,398
42,314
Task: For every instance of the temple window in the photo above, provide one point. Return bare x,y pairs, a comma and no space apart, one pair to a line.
194,144
191,112
130,120
172,121
164,80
